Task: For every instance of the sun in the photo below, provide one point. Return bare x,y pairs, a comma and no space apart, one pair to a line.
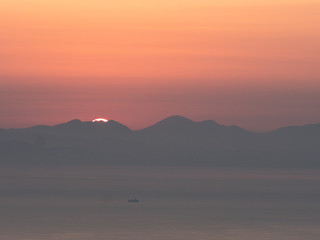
100,120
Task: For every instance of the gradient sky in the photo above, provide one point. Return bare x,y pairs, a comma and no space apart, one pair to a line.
251,63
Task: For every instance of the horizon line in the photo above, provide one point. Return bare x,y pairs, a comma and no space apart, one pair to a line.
170,116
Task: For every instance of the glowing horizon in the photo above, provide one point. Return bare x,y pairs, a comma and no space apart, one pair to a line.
250,63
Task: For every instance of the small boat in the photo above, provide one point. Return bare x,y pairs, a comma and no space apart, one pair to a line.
133,200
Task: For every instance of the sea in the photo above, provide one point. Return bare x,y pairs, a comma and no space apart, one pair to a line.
175,203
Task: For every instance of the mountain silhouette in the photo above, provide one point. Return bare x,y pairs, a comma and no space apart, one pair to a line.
175,140
98,128
178,125
306,131
77,127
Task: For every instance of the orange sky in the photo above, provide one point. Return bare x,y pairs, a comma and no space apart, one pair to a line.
253,63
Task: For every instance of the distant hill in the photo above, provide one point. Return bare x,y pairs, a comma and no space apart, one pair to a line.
175,141
177,125
77,127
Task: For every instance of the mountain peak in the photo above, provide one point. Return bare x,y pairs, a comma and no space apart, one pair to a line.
178,118
77,127
72,123
175,119
171,124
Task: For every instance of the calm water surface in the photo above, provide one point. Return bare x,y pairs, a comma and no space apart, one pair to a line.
90,203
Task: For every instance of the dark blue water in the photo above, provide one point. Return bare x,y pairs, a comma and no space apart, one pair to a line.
88,203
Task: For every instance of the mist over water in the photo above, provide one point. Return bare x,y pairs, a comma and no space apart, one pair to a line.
82,203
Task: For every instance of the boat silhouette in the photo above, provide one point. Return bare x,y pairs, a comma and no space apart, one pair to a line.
134,200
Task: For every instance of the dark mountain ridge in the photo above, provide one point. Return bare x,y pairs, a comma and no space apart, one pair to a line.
172,141
77,127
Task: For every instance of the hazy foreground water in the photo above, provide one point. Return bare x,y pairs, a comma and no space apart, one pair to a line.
175,203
